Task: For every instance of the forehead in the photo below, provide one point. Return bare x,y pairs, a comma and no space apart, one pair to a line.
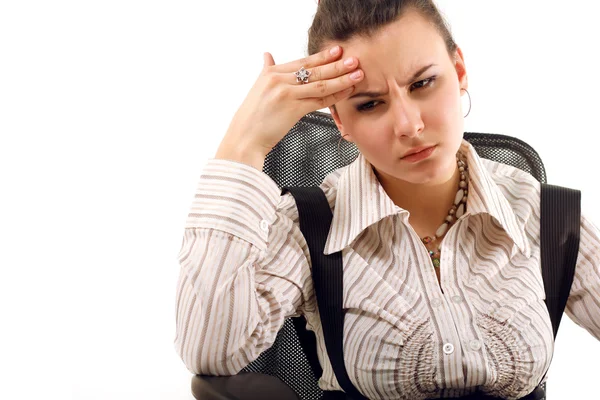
398,48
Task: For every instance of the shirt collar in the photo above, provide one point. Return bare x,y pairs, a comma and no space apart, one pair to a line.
361,202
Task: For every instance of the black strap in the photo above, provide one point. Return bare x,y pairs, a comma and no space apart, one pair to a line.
560,221
560,210
315,218
308,341
559,233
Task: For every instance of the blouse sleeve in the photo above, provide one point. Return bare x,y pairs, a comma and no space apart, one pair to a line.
583,305
244,268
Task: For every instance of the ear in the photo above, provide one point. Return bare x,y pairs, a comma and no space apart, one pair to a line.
461,69
338,123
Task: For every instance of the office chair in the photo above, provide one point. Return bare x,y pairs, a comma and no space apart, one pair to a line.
304,157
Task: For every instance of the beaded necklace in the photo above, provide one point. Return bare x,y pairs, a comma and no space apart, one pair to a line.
458,209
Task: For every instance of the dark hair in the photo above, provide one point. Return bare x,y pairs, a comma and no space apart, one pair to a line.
340,20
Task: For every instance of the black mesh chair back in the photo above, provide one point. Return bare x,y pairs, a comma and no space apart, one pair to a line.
311,150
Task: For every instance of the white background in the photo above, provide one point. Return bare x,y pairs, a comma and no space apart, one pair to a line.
108,112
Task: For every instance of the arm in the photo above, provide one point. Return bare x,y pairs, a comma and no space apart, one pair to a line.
244,269
583,305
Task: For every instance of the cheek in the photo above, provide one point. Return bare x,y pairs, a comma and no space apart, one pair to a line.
445,109
364,136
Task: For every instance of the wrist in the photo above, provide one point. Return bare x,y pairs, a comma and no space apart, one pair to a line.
247,154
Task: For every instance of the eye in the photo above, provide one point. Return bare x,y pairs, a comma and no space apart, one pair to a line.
423,84
365,106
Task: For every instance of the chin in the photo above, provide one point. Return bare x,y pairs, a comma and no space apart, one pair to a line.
432,171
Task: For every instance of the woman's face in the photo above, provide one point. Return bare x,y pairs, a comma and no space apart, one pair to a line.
416,106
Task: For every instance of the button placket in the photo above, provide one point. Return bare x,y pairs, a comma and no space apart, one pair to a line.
448,348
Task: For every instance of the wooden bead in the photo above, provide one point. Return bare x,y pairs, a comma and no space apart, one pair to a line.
441,230
459,195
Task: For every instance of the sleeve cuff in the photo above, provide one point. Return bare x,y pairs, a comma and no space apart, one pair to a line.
235,198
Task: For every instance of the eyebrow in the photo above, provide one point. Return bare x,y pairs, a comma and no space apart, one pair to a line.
372,94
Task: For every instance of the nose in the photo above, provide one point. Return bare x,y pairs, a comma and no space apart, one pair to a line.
407,115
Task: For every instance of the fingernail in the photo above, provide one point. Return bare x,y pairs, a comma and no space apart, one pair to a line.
355,75
335,51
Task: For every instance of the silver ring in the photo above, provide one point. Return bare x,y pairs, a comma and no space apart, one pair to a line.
302,75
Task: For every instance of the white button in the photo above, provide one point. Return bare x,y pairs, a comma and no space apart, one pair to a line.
456,299
475,345
436,302
264,225
448,348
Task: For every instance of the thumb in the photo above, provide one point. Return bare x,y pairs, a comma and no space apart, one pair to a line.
268,60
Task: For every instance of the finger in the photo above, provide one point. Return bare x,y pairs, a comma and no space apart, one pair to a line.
328,101
324,88
324,72
268,60
320,58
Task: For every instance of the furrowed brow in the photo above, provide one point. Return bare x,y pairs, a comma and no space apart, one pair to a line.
374,94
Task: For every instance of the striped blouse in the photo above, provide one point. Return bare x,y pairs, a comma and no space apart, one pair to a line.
245,267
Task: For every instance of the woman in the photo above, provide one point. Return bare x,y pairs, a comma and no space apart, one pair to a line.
442,280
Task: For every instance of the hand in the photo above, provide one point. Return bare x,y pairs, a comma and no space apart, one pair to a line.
277,101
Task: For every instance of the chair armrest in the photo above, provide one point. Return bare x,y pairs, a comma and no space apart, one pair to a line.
244,386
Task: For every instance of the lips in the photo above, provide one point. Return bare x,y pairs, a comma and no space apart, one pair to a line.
417,150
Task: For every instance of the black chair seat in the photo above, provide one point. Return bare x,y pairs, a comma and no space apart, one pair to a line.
244,386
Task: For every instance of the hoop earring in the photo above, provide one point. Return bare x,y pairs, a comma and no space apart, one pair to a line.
468,94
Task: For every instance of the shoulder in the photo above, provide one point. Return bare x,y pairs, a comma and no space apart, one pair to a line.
504,173
511,179
520,188
329,186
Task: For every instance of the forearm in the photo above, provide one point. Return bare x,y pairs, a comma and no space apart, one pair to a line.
225,318
249,154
